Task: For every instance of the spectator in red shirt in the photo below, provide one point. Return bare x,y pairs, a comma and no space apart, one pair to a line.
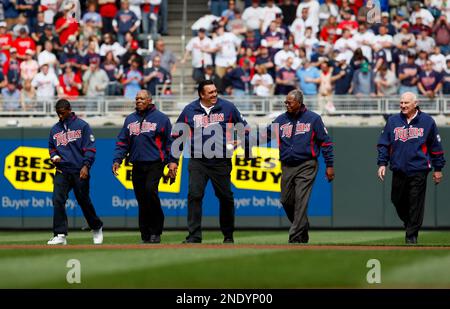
70,82
328,32
5,39
108,10
66,25
22,43
347,22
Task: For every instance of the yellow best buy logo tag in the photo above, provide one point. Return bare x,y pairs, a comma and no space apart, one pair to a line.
262,172
30,168
125,178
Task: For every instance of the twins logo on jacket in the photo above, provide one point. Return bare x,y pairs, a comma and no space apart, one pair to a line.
136,128
63,138
300,128
203,121
404,134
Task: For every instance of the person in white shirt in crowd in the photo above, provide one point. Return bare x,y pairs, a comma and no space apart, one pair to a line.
287,52
253,16
438,59
425,42
327,9
365,38
47,56
268,15
110,45
313,10
205,22
299,25
29,67
46,83
346,45
262,82
237,25
386,82
421,59
427,17
199,48
50,8
135,7
386,41
405,40
308,42
226,46
95,79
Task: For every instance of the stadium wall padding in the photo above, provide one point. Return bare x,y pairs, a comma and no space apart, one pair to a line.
356,198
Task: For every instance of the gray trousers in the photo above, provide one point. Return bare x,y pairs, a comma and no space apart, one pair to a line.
296,186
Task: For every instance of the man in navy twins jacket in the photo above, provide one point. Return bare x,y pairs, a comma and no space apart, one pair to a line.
145,139
302,135
411,143
72,149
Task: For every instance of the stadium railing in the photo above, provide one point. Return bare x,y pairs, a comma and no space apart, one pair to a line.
248,105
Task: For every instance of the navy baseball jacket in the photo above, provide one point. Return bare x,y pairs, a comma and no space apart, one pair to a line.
74,142
413,147
302,136
222,115
145,138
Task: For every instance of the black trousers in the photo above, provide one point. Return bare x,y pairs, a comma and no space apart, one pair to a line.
408,197
219,174
296,186
146,178
63,183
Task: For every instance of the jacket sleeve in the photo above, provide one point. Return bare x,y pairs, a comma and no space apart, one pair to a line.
323,140
436,150
122,144
384,145
88,146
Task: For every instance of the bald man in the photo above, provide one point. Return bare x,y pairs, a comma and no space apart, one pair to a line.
410,142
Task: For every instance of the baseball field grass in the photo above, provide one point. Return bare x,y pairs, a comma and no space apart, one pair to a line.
258,259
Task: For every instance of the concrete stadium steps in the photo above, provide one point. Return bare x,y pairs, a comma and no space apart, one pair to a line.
195,10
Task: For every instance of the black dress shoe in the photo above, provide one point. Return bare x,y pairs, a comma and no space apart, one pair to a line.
411,240
228,240
155,239
192,241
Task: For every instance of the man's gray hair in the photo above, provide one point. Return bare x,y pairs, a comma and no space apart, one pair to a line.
297,94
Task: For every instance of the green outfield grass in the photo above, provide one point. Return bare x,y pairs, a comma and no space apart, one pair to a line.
232,267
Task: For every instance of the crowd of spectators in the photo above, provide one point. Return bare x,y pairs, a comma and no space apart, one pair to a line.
326,47
71,48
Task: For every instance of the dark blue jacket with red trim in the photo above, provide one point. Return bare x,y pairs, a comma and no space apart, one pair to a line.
215,128
72,140
413,147
145,138
302,136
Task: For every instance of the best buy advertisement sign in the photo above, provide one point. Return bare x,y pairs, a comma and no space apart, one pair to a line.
30,168
261,172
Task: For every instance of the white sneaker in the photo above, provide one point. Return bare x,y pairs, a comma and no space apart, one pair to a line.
98,236
60,239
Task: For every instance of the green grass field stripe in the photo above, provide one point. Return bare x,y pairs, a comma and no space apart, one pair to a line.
48,270
432,271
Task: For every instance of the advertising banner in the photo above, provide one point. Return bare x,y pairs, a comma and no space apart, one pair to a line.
26,184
